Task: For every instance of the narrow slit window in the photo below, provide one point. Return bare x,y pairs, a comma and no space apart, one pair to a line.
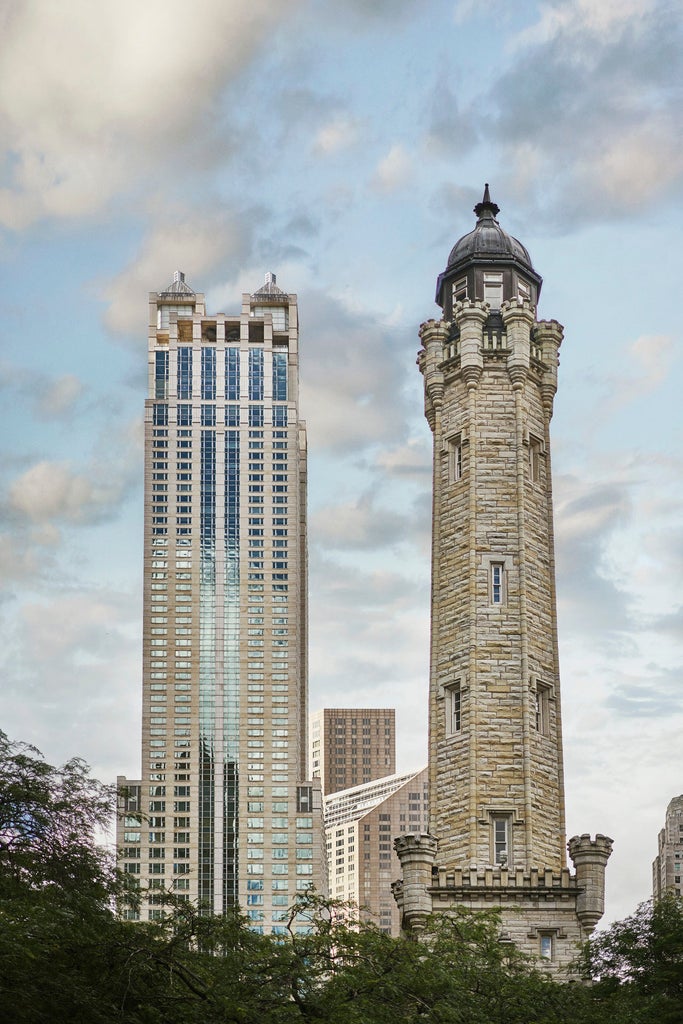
501,840
542,709
534,459
454,709
455,459
497,583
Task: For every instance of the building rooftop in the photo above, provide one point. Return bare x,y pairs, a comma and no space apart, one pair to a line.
178,288
351,804
487,241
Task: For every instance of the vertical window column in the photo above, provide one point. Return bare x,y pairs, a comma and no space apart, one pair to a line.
184,390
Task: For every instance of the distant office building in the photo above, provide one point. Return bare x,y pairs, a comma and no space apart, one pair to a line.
360,826
349,746
668,864
222,813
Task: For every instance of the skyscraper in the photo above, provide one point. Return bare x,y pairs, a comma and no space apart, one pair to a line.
349,746
667,867
223,809
496,786
359,824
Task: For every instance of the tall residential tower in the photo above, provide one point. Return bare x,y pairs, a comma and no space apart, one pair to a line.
496,788
223,813
349,746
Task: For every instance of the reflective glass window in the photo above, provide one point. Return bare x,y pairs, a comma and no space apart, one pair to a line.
161,375
232,374
256,375
279,376
208,374
185,372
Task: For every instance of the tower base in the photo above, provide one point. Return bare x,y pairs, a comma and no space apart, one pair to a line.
545,914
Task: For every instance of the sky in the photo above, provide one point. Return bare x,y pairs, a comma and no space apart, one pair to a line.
342,146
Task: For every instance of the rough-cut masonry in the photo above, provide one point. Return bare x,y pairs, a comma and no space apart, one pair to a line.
497,828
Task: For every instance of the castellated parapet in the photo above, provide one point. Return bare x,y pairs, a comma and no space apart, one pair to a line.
497,822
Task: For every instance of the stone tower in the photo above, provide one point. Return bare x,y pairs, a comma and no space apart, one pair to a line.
497,824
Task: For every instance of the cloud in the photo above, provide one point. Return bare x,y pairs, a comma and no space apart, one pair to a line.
452,130
369,641
352,378
53,398
94,98
659,694
585,115
394,171
591,604
202,242
52,491
412,459
59,397
71,665
26,555
338,134
359,525
652,356
583,17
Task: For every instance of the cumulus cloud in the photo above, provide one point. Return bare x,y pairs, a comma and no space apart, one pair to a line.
369,637
53,493
93,97
52,398
71,665
351,379
585,114
412,459
394,171
202,243
360,525
590,601
336,135
50,490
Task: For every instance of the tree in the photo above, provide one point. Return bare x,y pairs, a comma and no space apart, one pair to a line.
637,964
56,889
65,956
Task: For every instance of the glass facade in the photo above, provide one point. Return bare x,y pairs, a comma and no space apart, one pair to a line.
184,373
224,674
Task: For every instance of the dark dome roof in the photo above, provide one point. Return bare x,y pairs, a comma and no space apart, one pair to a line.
487,241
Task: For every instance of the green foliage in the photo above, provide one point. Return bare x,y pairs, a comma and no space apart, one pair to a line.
637,964
66,957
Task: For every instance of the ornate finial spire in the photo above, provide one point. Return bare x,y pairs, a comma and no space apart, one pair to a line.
486,208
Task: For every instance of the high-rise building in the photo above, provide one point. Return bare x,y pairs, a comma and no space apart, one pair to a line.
349,746
222,813
496,787
667,867
360,824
